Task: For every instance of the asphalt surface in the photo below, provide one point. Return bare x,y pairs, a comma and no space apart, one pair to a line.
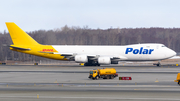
71,83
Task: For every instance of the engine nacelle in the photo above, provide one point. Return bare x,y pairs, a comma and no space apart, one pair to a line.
104,60
81,58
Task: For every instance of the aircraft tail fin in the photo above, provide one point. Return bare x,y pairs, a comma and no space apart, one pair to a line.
18,36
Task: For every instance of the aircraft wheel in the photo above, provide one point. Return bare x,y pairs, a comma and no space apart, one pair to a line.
86,64
97,77
112,77
179,82
108,77
159,65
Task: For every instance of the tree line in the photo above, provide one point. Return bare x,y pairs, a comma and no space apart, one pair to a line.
86,36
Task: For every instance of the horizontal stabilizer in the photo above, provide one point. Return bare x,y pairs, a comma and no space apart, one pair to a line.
19,48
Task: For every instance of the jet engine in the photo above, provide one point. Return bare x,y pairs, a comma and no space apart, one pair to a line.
81,58
104,60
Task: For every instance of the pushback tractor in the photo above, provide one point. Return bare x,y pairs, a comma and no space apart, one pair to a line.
107,73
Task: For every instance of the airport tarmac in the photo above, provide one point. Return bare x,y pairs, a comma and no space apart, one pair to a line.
71,83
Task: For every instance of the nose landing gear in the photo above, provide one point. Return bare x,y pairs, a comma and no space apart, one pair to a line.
157,64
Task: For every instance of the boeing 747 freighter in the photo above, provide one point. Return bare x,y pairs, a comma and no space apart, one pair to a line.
90,55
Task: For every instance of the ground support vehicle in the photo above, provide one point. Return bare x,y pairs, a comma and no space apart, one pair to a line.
107,73
178,79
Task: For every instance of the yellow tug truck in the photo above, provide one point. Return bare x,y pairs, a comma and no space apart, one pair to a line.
178,79
107,73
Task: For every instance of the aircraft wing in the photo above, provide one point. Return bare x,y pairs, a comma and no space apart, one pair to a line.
71,56
92,57
118,58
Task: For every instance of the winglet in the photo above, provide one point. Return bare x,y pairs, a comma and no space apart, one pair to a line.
18,36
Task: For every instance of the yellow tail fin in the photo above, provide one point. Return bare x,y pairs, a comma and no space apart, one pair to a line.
18,36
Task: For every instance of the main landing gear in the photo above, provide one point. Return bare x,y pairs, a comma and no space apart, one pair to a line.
92,63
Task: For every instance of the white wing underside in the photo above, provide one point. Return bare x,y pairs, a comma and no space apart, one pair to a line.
70,56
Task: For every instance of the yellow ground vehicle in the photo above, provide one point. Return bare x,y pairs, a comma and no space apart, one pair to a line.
178,79
107,73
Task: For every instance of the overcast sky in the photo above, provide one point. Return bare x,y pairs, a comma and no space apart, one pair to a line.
33,15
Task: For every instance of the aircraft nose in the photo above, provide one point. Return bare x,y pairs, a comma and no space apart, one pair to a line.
169,53
172,53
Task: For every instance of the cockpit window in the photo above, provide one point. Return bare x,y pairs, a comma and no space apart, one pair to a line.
91,72
163,46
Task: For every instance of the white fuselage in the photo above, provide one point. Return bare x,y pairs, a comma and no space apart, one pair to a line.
136,52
